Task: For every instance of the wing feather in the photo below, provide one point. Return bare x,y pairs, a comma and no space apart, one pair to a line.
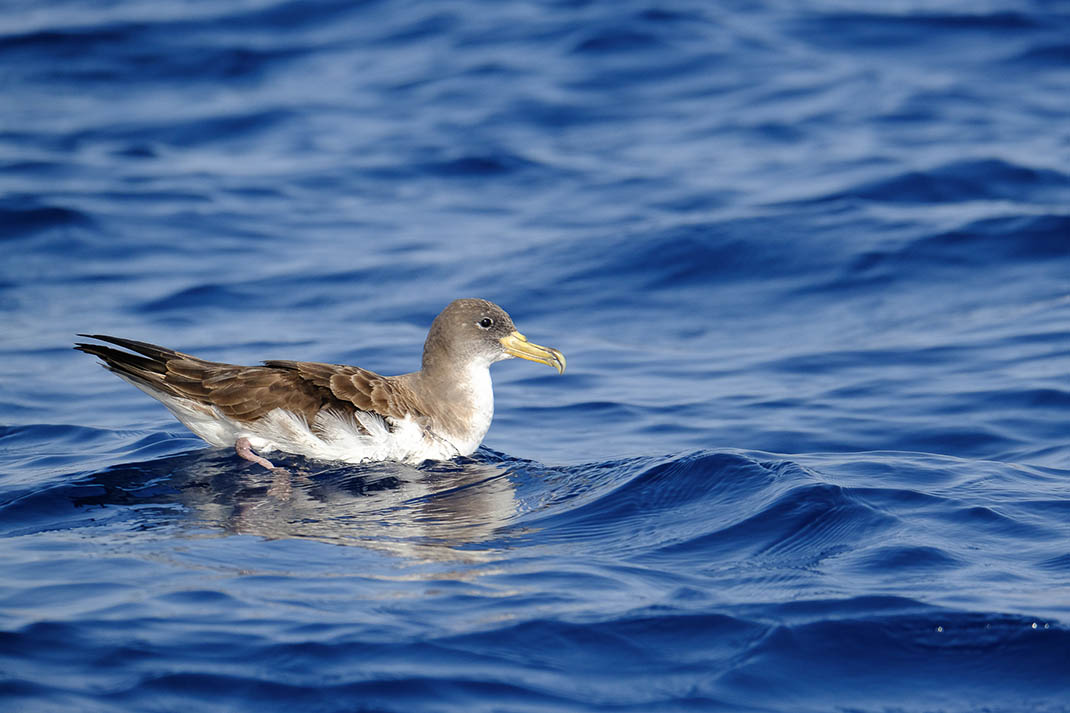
364,389
249,392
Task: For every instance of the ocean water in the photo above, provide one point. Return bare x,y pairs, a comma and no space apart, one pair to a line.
809,263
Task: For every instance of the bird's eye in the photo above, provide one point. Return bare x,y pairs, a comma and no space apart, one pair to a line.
486,323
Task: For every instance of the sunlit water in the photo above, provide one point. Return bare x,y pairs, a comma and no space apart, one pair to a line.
809,263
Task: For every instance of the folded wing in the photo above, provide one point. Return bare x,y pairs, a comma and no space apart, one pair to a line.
246,393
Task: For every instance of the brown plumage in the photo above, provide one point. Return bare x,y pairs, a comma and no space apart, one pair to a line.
247,393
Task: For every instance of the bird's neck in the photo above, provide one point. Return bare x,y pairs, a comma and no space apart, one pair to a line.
465,403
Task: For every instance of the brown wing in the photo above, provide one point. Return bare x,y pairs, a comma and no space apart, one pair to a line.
249,392
241,392
368,391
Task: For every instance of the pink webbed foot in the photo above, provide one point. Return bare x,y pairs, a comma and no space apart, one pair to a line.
245,449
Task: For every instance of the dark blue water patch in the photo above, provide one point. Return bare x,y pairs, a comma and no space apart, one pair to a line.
420,28
221,64
292,15
968,440
677,75
554,113
607,411
1058,563
44,231
491,163
528,663
900,501
20,218
137,151
805,524
1033,236
324,288
843,361
908,560
984,520
229,297
877,31
187,132
135,194
988,179
1055,56
192,49
706,477
707,254
992,244
691,505
12,437
642,649
932,652
133,54
622,39
69,43
799,612
1057,400
378,696
28,512
38,168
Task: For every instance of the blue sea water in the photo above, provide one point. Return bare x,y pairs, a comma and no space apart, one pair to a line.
809,263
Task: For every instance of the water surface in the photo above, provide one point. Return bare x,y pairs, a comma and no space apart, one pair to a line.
809,263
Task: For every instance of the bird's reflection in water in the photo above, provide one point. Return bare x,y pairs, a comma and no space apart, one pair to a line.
441,511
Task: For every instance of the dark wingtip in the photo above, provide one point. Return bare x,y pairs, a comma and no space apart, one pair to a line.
152,351
88,348
124,362
101,337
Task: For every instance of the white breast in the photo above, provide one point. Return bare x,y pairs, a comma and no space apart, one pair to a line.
475,392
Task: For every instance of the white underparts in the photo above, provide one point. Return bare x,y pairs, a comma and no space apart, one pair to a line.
477,391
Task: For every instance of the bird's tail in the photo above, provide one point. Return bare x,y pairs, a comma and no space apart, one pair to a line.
146,367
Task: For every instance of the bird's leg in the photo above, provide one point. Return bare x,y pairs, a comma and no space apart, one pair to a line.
245,449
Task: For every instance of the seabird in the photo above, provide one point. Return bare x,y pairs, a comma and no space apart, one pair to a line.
337,412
